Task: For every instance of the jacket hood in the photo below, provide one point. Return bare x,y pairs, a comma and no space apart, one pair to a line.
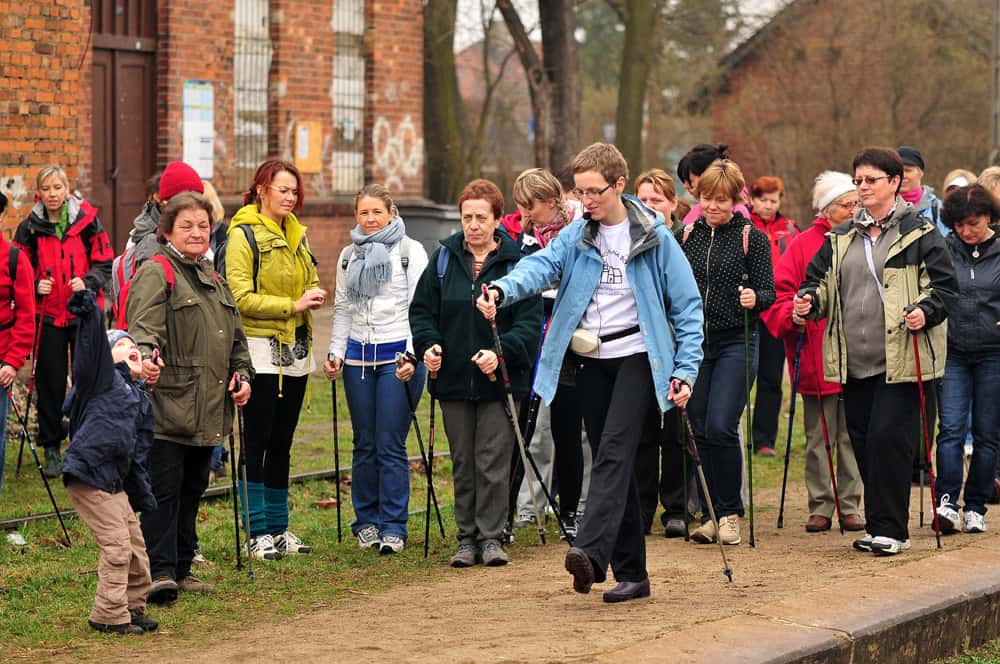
642,222
507,249
146,222
959,250
250,215
927,199
77,208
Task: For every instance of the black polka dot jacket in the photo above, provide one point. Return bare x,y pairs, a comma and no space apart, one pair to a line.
720,268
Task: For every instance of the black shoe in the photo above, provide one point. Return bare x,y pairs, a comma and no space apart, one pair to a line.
140,619
578,564
627,590
53,463
674,528
125,629
163,591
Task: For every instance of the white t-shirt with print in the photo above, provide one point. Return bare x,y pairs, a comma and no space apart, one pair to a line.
612,308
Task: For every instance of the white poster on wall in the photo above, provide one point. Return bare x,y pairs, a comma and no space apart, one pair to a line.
199,127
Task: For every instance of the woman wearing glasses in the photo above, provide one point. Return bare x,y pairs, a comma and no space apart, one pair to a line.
879,280
272,275
836,199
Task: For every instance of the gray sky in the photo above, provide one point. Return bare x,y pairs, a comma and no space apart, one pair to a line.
469,22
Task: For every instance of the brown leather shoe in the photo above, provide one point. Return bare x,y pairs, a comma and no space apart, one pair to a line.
817,524
853,522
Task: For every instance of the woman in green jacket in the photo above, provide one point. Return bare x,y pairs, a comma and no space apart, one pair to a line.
179,306
273,277
456,345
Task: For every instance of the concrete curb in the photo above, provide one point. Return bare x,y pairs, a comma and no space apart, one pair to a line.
913,612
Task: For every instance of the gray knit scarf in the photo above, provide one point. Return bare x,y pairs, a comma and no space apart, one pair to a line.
372,267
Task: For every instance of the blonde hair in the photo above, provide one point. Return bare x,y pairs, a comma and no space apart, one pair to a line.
603,158
212,196
375,190
49,171
990,178
659,179
722,176
970,178
537,184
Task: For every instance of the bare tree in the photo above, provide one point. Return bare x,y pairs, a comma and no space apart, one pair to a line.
562,68
443,114
639,52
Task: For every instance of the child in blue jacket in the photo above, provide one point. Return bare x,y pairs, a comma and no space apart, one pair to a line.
111,428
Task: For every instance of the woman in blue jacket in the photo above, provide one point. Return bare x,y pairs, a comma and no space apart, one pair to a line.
972,369
628,298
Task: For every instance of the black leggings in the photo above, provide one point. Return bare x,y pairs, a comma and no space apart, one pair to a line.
270,426
51,369
566,421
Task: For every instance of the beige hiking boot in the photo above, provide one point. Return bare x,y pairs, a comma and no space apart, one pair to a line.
729,529
704,534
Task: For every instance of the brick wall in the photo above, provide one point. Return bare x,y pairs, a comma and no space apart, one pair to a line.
45,104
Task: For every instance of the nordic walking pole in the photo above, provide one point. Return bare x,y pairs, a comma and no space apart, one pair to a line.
430,462
693,451
791,425
826,442
927,435
746,420
34,454
243,472
236,497
684,463
512,413
400,359
336,444
34,361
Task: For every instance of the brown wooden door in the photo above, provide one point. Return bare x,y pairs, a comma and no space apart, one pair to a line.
124,98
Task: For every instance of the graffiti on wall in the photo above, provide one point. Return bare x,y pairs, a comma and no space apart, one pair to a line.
398,152
18,200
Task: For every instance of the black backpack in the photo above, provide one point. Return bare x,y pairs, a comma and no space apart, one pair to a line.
12,270
220,254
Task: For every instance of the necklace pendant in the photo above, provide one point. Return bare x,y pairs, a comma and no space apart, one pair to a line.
975,252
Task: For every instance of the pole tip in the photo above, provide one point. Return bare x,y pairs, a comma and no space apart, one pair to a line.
729,574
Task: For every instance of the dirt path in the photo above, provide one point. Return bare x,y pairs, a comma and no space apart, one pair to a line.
528,612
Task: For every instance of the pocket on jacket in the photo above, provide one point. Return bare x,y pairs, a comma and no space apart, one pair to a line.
176,397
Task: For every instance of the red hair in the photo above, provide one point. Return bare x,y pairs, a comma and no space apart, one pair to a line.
265,176
767,184
485,190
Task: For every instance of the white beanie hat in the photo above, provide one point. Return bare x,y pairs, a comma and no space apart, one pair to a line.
830,185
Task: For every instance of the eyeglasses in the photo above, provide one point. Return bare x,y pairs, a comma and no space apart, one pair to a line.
285,191
590,193
869,180
848,206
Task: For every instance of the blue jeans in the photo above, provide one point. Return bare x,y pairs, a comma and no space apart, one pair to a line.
380,415
969,385
714,410
3,431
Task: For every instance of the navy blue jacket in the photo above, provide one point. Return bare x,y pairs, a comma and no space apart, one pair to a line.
110,416
972,318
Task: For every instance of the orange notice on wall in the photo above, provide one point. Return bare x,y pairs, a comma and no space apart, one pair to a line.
309,146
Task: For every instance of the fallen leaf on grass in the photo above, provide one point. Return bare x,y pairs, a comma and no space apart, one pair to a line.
325,503
417,467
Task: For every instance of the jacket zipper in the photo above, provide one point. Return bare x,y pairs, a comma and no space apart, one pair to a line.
708,280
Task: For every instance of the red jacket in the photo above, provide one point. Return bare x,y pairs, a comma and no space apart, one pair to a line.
84,251
789,274
779,230
17,308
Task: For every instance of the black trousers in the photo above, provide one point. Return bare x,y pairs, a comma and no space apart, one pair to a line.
179,474
270,427
615,395
51,370
659,467
883,421
770,374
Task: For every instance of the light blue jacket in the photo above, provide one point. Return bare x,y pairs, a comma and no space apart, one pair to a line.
666,295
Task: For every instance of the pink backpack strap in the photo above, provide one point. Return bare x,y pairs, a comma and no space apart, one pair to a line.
687,233
746,239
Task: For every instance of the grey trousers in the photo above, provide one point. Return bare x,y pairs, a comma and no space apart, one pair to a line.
542,450
481,441
818,484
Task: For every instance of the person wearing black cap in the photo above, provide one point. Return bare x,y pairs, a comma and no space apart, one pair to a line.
914,192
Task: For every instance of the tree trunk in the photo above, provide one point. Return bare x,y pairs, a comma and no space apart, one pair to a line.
562,68
443,117
538,82
639,51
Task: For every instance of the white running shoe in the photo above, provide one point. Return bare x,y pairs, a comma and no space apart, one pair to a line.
974,522
391,544
368,538
948,517
887,546
262,547
288,543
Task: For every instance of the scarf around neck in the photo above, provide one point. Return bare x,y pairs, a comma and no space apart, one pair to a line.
372,267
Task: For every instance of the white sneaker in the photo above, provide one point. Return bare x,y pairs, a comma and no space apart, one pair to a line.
974,522
948,518
887,546
863,544
368,538
198,559
391,544
262,548
288,543
729,530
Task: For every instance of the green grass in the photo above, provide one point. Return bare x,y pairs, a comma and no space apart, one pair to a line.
49,588
986,654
